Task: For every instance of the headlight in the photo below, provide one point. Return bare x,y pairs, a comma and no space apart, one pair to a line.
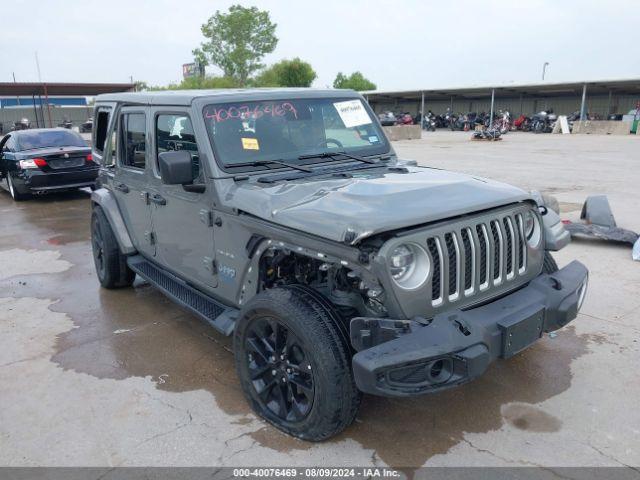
532,229
409,265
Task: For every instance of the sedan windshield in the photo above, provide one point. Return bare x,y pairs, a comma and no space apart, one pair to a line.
260,131
29,140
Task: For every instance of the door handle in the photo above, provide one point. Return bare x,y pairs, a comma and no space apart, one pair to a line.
122,187
158,199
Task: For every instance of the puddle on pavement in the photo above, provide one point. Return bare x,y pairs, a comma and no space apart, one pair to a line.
156,338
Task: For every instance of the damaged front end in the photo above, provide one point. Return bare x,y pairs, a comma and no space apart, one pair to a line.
411,357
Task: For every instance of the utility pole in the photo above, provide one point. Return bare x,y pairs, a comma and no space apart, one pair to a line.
493,97
14,81
38,67
544,69
583,104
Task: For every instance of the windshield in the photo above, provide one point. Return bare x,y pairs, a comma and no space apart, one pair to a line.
48,138
286,129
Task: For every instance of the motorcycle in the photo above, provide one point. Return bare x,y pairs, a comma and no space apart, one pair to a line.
405,119
440,121
87,126
66,123
429,122
503,122
522,123
544,121
486,134
22,124
387,119
458,122
448,118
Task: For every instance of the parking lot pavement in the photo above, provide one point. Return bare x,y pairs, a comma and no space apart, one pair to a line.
125,377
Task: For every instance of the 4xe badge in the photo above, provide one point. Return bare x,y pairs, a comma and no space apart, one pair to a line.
227,274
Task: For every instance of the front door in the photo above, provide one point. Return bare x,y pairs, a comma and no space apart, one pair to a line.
131,178
182,220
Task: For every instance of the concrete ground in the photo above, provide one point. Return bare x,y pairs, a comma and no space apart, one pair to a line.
107,378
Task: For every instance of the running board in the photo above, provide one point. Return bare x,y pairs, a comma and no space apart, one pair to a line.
219,316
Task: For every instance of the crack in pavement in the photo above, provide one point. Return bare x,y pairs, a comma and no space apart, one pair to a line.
606,455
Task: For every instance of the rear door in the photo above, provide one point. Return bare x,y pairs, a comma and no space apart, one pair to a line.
131,177
7,145
182,220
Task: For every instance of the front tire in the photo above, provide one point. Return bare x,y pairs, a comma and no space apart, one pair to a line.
294,363
111,265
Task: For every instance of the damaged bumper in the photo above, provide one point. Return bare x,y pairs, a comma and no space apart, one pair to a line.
36,181
411,357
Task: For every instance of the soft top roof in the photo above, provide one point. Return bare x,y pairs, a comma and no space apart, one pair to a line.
186,97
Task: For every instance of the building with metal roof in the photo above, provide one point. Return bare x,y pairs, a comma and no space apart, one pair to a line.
601,97
47,103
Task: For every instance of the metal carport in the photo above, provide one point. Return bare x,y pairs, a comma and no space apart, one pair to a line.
601,96
43,90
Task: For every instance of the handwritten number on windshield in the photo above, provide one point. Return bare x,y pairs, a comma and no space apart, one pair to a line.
245,112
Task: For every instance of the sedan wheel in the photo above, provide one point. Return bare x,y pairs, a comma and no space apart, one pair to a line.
17,196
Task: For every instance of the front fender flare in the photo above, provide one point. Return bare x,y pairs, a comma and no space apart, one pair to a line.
107,202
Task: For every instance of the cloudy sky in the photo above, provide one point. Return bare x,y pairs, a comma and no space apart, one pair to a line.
397,44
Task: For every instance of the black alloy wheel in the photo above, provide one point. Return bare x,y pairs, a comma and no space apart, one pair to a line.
293,359
279,368
97,242
111,265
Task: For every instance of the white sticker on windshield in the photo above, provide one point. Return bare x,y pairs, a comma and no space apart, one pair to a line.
352,113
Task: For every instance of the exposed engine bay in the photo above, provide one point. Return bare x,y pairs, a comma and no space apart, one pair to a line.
339,284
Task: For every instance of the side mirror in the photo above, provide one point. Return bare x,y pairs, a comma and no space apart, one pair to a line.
176,167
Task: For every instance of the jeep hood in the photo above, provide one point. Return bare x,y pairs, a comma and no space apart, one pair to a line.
370,202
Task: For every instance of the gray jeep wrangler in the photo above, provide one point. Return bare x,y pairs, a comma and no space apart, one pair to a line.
283,217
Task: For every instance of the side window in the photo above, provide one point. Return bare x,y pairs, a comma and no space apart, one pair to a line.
102,127
175,132
133,128
111,159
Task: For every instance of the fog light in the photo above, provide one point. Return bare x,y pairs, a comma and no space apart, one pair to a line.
582,292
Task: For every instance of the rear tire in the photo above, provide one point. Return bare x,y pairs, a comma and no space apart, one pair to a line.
17,196
549,264
290,331
111,265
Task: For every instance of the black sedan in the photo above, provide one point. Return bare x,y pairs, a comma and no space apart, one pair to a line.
42,160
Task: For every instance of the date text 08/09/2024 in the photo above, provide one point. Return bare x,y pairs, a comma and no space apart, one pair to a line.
323,472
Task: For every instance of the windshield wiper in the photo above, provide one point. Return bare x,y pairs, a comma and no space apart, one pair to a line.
258,163
335,154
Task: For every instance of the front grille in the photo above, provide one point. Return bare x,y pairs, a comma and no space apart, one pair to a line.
483,239
471,257
433,247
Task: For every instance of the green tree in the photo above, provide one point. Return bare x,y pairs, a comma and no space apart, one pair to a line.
196,83
287,73
207,82
141,86
236,41
355,81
